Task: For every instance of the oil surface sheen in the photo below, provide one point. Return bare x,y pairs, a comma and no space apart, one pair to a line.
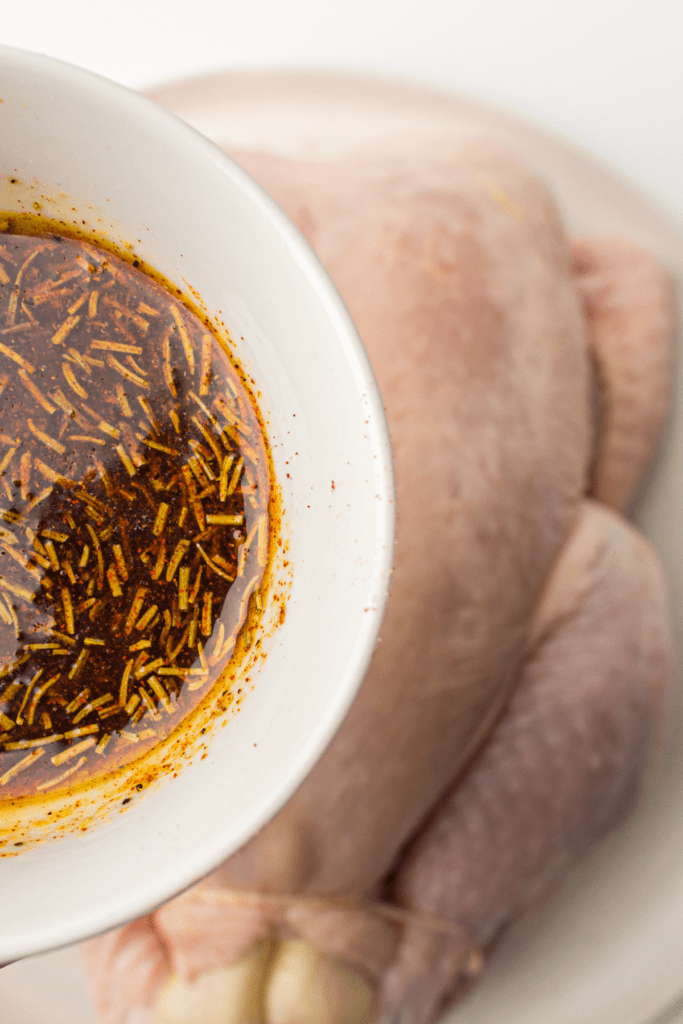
134,498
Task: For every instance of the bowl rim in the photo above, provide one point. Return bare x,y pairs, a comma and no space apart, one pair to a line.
149,113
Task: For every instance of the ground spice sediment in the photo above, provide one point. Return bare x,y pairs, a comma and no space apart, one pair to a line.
132,564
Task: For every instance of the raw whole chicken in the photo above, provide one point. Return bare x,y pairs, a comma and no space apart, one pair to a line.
520,681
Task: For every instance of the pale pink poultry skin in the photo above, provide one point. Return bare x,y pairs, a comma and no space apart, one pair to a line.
510,708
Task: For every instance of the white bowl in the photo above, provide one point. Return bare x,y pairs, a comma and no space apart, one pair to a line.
93,152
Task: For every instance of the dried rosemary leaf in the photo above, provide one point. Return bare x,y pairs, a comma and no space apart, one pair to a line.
126,460
126,372
123,401
132,704
121,567
29,744
123,692
71,752
20,766
68,610
91,706
135,609
237,472
81,698
158,689
63,638
17,358
160,560
38,693
79,663
72,382
65,775
32,388
184,337
206,613
140,645
145,620
102,745
220,519
205,372
65,328
85,730
181,549
115,346
114,582
149,704
146,670
51,442
13,588
196,585
183,587
160,521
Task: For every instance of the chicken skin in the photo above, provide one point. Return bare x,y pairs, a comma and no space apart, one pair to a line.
521,677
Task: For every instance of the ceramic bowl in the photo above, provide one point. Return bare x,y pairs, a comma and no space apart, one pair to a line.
107,159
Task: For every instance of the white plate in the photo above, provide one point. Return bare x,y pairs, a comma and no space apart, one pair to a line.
608,946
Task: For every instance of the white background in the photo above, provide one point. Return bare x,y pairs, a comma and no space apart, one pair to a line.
607,74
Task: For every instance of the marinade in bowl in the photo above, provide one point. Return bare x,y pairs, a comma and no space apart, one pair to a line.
134,524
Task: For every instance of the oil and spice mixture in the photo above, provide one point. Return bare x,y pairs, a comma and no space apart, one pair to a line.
134,496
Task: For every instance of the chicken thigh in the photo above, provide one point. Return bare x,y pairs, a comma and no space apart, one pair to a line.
520,679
